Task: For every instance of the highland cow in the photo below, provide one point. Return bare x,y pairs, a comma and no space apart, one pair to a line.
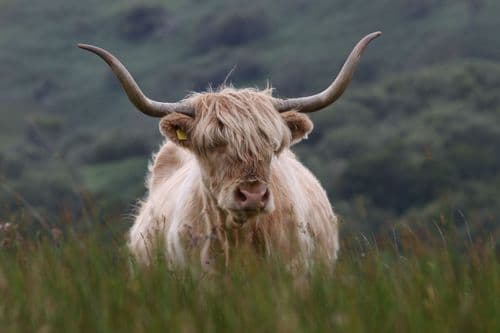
226,178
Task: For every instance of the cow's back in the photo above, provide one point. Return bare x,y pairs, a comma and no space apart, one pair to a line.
169,159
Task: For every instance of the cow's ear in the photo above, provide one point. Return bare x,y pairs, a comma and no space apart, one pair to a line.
299,124
177,128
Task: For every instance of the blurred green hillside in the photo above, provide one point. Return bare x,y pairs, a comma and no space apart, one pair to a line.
414,139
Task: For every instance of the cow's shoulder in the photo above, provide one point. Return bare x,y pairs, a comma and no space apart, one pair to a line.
169,159
302,188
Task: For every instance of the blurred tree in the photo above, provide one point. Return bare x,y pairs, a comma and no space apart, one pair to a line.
231,28
475,5
417,9
143,21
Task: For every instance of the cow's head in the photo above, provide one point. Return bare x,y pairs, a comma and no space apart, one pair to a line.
235,134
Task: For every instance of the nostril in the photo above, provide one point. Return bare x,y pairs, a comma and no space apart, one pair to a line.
240,196
265,197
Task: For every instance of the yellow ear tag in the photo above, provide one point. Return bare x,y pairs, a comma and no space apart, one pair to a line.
181,135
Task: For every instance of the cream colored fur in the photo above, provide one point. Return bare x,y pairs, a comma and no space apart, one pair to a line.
236,134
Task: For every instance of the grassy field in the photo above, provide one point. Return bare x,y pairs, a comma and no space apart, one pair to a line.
414,139
410,281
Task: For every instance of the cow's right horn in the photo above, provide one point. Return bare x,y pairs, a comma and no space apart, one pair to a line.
335,90
134,93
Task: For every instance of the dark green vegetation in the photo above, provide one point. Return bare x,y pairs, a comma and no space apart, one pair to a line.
409,157
410,281
415,138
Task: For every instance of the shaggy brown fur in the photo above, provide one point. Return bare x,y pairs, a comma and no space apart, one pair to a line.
236,136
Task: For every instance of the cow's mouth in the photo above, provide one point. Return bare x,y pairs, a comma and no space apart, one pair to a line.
241,216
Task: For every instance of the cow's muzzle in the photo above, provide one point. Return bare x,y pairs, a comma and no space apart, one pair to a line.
251,196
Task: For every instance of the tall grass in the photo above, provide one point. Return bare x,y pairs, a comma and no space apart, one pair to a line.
408,281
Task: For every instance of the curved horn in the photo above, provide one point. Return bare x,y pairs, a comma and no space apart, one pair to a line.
134,93
335,90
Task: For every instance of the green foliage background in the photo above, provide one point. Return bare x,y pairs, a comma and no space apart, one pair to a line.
409,157
414,139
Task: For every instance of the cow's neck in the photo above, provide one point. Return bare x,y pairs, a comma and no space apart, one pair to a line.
222,230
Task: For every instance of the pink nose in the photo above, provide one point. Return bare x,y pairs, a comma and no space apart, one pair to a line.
251,195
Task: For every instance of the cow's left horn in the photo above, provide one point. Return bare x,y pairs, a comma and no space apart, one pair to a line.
335,90
134,93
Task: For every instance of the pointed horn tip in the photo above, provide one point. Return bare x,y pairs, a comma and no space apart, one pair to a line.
105,55
374,35
363,43
83,46
89,47
92,48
